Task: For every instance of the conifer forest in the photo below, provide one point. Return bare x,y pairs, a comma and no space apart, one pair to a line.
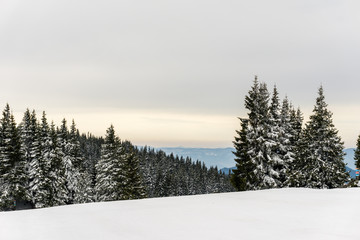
43,165
275,150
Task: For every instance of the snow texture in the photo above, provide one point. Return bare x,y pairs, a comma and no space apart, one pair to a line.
267,214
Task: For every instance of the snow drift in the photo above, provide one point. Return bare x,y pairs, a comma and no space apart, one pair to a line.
268,214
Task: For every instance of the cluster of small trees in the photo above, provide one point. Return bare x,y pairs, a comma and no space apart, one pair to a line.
274,151
43,165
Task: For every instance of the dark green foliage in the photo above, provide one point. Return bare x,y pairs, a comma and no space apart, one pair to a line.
243,175
134,187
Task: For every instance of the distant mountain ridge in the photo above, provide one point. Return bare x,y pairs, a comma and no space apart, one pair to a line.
220,157
223,158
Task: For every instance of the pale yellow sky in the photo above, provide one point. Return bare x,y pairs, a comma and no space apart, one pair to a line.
170,129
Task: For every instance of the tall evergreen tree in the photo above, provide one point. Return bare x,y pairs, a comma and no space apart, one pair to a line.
275,136
71,174
134,187
29,143
13,177
41,182
111,176
319,160
82,189
60,193
257,102
243,176
296,122
288,148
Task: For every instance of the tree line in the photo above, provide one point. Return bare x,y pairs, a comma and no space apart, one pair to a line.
274,150
43,165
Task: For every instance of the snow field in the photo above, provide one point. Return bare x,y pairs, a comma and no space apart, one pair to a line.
268,214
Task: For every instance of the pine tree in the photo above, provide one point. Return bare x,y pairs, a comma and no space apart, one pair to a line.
41,182
111,176
288,148
30,139
257,102
319,160
296,122
71,174
82,189
243,176
134,188
275,137
60,193
74,147
13,177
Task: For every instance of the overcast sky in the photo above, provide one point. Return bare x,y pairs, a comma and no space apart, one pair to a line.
171,73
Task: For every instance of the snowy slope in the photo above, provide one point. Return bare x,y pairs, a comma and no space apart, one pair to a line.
270,214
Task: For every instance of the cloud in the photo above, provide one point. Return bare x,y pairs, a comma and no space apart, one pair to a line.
180,56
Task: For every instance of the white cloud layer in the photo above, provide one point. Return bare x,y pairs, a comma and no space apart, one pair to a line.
184,57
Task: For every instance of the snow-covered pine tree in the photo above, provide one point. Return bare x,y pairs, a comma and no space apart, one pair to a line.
28,129
30,140
41,182
60,192
111,175
296,122
257,102
287,150
275,135
319,159
134,187
70,175
13,177
82,190
74,147
243,176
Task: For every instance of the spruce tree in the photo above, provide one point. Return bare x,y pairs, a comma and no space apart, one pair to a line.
36,169
60,193
243,176
41,181
71,174
319,160
257,102
13,177
296,122
82,189
134,187
275,136
111,176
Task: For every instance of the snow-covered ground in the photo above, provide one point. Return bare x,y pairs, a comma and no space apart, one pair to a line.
269,214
